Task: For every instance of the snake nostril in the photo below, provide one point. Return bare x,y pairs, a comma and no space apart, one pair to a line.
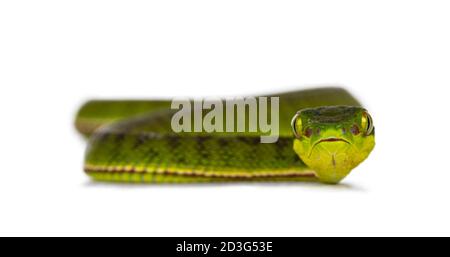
308,132
318,131
355,130
344,131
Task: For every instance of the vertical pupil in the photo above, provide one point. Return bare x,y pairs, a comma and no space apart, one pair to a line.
369,124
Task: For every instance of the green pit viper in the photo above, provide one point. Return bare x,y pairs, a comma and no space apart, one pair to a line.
324,133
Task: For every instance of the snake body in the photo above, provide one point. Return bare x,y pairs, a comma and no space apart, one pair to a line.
132,141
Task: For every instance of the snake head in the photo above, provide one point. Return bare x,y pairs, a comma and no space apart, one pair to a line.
333,140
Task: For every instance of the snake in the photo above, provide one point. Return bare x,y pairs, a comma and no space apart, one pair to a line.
324,133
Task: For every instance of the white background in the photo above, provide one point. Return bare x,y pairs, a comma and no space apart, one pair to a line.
54,55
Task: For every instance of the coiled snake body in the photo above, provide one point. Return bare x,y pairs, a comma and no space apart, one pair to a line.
323,134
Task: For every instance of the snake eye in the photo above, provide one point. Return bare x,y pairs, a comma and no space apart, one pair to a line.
296,125
367,123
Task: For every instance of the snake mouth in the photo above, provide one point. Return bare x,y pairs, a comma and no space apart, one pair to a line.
331,140
328,140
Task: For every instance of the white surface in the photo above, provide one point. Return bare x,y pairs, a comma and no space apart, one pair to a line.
394,55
